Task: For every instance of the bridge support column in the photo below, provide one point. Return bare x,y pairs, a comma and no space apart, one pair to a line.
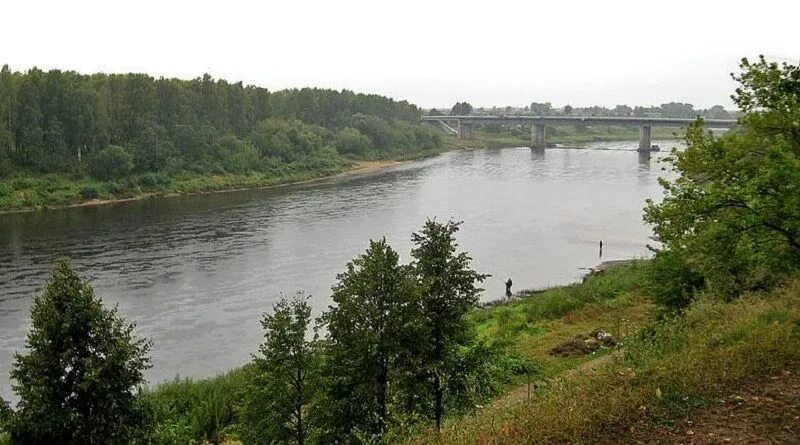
645,143
539,135
465,130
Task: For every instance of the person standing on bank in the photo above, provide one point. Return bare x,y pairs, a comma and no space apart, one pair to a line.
508,288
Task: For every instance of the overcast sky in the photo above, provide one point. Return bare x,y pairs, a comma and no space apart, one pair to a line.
432,53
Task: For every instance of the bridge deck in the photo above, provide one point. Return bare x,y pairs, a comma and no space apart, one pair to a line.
575,120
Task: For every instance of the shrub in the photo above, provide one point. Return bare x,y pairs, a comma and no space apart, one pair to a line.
110,163
89,192
351,141
671,281
154,180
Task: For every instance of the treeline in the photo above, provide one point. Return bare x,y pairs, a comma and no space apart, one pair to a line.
397,351
671,109
117,124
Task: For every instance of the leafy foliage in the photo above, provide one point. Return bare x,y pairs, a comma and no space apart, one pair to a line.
286,380
80,377
449,292
110,163
50,121
371,330
733,214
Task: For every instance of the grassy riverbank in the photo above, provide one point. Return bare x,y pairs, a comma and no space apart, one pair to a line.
662,370
26,191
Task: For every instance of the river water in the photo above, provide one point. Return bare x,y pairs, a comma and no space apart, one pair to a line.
196,273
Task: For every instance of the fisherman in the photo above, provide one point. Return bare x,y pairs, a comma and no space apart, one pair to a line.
508,288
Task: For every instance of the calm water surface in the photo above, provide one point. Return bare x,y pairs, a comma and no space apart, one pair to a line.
196,272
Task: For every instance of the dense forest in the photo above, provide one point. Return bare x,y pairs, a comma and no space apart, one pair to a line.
113,126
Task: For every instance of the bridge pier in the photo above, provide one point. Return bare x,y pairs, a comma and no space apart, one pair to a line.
465,130
645,144
539,135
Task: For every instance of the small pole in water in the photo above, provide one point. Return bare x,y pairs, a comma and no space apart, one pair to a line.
601,248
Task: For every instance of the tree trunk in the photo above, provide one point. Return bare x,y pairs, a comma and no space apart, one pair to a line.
299,408
439,396
383,380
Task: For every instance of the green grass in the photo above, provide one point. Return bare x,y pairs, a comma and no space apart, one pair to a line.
24,191
513,322
666,371
198,410
194,411
29,191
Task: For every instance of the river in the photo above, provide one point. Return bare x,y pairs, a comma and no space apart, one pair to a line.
196,273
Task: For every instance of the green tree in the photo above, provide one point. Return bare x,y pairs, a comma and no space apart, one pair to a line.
734,210
461,109
369,329
110,163
287,377
541,109
716,112
449,291
79,380
770,95
351,141
567,109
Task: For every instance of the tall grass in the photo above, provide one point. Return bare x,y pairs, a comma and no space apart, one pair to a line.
194,411
507,322
671,369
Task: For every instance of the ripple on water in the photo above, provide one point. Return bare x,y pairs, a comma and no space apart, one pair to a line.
196,272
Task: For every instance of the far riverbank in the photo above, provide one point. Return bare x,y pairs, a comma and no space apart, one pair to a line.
25,192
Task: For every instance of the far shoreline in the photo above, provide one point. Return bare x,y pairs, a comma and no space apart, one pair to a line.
360,168
482,141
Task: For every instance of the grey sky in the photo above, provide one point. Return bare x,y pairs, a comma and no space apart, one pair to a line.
432,53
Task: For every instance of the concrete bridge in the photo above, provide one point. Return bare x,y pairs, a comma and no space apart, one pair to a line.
465,127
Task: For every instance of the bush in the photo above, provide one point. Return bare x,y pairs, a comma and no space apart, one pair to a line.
110,163
89,192
671,281
154,180
351,141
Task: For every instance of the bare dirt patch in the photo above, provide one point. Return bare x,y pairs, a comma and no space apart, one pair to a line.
759,412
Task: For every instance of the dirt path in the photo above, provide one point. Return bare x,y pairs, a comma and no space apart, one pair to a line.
521,393
758,412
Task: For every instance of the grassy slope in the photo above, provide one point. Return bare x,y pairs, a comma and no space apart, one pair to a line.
668,370
663,370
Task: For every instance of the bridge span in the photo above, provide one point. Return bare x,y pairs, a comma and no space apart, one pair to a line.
466,124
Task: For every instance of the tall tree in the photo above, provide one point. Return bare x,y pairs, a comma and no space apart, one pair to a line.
449,291
369,327
733,213
461,109
6,110
287,377
79,380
